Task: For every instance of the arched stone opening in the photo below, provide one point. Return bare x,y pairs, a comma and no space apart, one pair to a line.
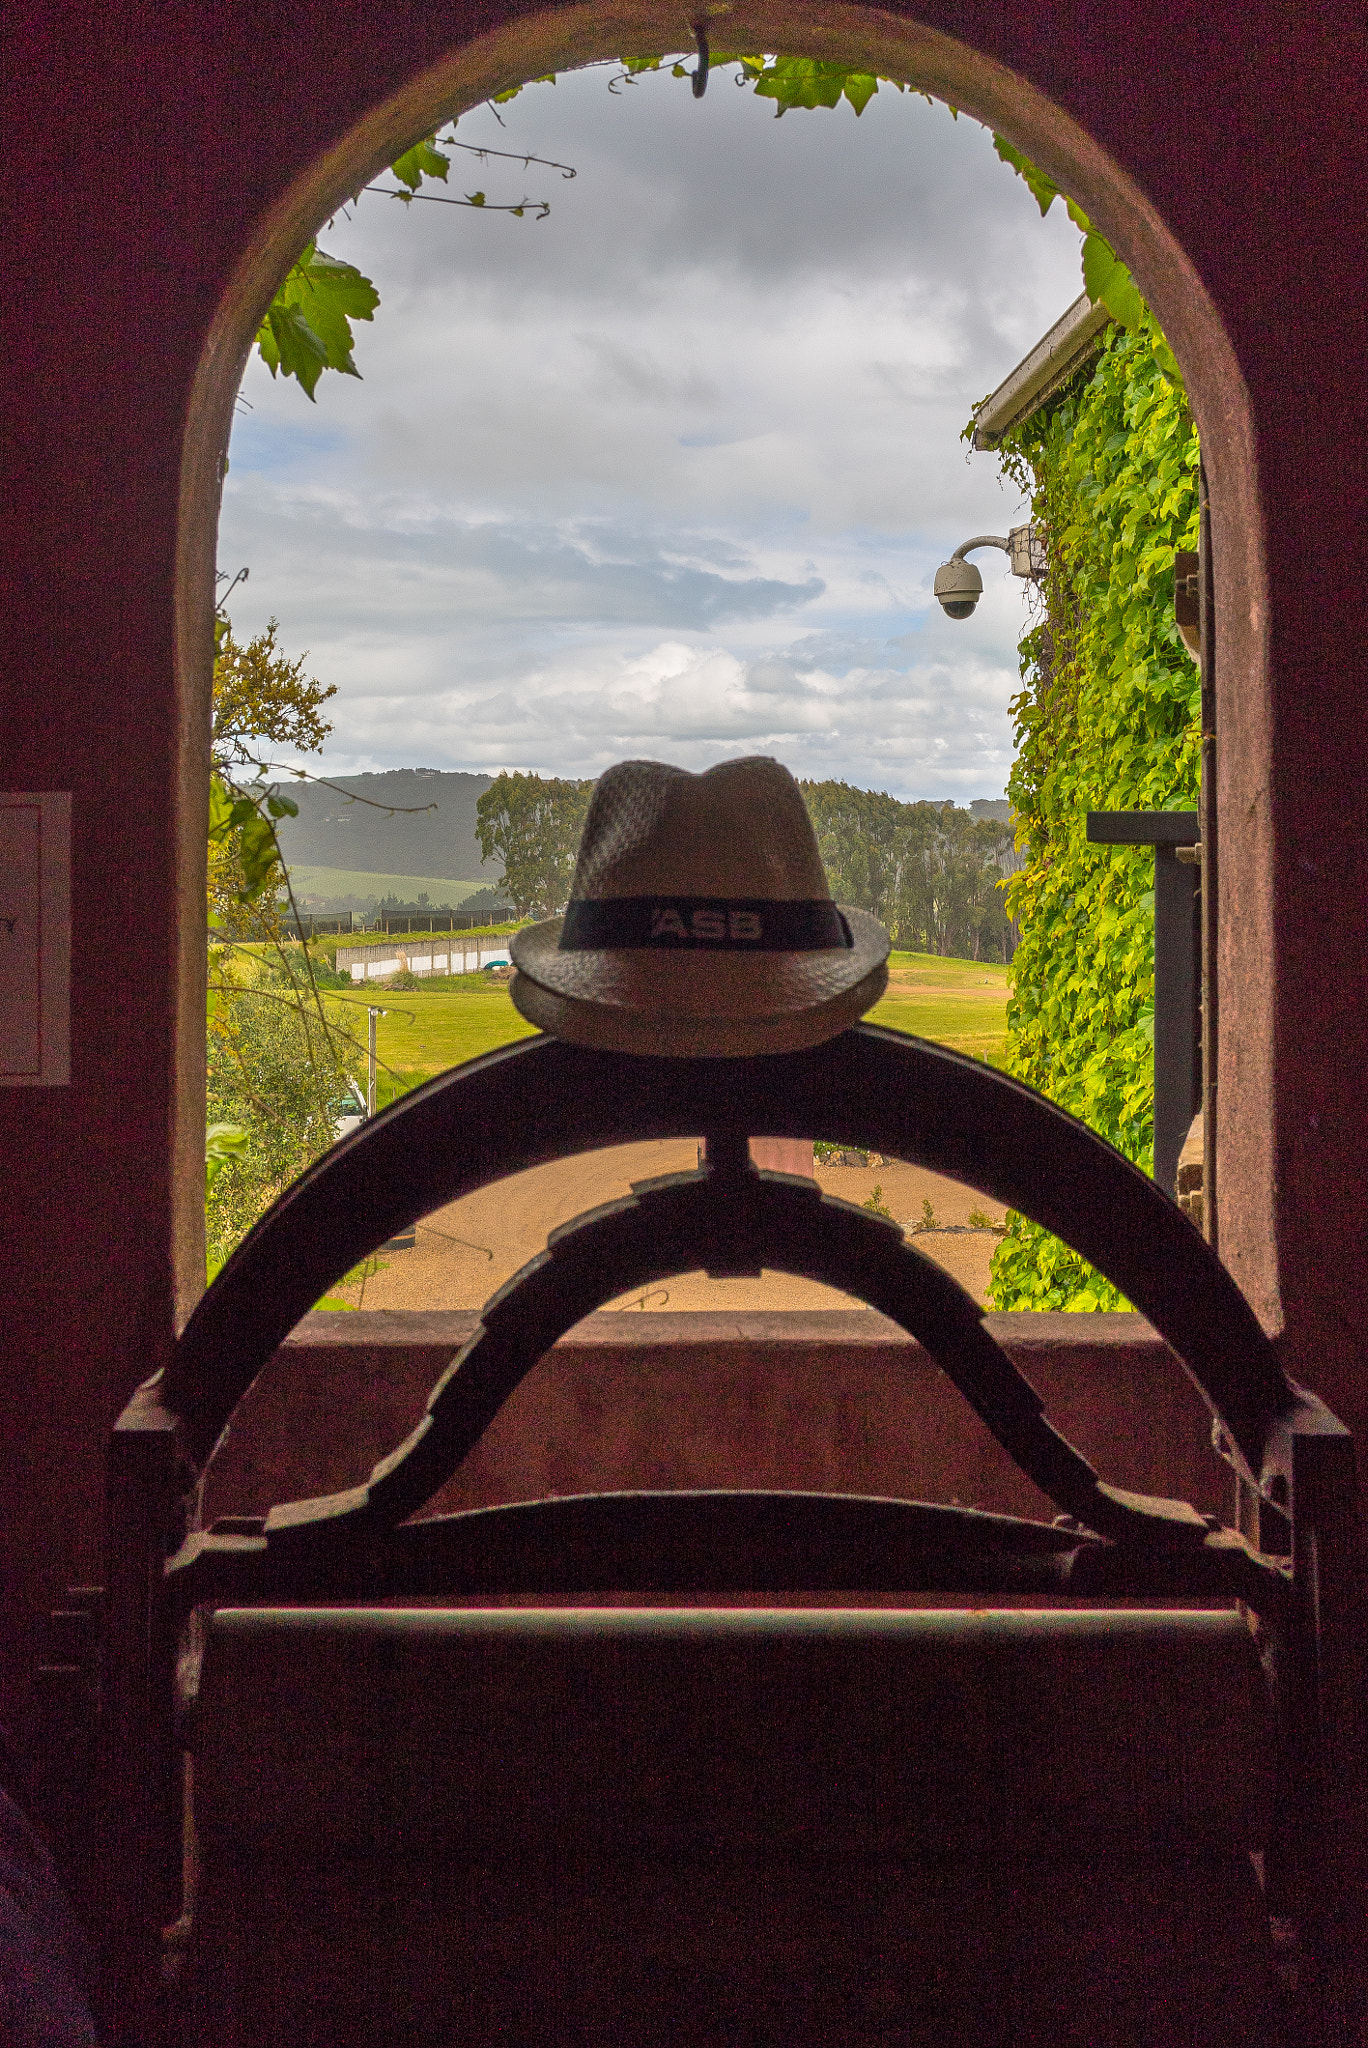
983,88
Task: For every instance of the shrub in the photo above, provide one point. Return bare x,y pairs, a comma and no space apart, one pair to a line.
274,1072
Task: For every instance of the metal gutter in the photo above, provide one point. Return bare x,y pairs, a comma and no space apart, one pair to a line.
1075,337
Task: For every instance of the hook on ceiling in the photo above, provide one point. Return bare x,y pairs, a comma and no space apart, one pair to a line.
699,74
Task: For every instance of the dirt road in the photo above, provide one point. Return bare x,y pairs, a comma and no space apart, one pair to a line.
468,1249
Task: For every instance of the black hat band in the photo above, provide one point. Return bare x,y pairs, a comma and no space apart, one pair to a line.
715,924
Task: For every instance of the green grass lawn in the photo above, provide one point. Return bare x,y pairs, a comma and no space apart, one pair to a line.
449,1019
960,1003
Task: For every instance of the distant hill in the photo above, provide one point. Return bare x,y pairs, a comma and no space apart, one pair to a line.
324,890
436,844
439,843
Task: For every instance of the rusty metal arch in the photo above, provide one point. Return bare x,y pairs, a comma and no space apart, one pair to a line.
543,1099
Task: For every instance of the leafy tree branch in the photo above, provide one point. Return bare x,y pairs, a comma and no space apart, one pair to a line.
259,693
308,325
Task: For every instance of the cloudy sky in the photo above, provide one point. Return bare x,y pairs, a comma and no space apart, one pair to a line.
670,472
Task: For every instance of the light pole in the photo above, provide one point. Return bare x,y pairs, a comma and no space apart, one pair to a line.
371,1015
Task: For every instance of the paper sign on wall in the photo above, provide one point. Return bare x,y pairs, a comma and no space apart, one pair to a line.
35,939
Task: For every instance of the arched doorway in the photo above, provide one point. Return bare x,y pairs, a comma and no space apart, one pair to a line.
925,59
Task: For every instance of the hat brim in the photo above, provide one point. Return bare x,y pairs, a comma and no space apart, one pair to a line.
698,1003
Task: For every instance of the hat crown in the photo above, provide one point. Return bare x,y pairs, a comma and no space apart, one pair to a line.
642,962
740,830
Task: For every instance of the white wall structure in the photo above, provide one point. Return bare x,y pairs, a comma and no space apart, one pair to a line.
424,956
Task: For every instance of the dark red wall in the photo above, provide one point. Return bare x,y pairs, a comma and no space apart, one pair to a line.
143,147
832,1401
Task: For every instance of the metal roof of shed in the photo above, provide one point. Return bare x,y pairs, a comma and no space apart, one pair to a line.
1075,336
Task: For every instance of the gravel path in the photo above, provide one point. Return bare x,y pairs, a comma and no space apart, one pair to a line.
469,1248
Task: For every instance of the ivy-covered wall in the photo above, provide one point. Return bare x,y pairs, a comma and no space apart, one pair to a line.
1107,719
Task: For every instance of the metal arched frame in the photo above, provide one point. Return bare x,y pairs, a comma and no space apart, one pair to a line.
544,1100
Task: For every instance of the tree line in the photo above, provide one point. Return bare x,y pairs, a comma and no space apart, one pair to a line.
483,906
932,874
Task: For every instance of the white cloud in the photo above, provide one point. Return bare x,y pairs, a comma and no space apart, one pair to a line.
671,471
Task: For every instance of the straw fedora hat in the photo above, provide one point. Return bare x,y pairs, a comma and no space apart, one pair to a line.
700,922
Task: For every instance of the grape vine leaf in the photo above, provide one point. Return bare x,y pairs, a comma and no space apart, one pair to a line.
222,1143
501,99
1109,283
807,82
424,160
307,328
1106,279
1041,186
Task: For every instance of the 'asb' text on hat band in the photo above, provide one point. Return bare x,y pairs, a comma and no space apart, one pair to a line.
733,924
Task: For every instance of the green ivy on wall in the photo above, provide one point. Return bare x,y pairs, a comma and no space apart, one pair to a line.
1107,720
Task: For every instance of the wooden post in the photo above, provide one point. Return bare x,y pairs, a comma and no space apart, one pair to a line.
140,1817
1177,970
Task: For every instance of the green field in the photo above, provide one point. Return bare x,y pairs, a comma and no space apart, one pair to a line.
960,1003
310,882
428,1029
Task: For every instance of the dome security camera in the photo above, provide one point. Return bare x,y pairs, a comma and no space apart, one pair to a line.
958,588
958,585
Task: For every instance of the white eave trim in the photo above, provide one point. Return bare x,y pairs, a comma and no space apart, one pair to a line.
1049,366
